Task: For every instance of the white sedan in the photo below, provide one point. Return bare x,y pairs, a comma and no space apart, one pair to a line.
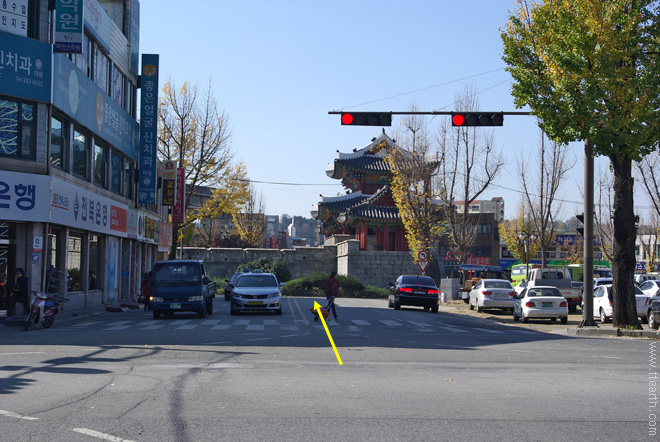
541,302
602,304
492,293
649,287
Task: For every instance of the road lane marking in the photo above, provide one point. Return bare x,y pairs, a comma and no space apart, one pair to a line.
18,416
221,327
360,322
100,435
256,327
117,328
391,323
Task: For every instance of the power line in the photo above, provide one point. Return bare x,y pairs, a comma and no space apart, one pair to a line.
425,88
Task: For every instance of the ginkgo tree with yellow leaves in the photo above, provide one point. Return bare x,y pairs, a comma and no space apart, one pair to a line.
590,70
193,132
509,230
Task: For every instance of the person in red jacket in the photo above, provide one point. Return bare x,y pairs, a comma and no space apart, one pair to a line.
331,292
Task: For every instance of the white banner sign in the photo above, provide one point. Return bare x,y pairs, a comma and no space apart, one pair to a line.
24,197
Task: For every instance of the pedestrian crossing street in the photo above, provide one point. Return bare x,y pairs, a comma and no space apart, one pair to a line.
287,325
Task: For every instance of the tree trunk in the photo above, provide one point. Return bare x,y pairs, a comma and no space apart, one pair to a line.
623,265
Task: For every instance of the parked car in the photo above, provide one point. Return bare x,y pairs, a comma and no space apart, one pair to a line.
650,286
520,287
230,283
641,277
418,291
602,303
256,292
181,286
540,302
653,311
492,293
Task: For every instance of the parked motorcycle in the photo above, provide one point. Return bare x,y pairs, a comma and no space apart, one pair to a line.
43,309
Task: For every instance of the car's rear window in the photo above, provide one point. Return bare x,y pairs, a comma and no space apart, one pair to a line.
177,272
419,280
497,285
544,292
256,281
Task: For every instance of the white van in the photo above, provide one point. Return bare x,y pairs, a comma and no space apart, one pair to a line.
641,277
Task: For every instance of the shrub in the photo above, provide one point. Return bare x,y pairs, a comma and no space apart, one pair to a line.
278,267
349,287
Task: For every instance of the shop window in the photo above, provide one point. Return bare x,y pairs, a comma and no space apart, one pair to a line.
80,154
53,263
115,173
57,143
17,129
73,261
100,165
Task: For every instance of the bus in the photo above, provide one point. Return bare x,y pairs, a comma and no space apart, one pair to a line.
519,272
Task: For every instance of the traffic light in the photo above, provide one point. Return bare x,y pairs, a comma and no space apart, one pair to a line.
580,217
477,119
366,118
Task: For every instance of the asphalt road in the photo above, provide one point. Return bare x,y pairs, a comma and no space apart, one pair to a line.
407,375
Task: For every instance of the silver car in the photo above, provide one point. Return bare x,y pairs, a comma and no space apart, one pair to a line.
256,292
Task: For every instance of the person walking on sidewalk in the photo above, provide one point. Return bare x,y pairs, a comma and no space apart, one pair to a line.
19,294
331,292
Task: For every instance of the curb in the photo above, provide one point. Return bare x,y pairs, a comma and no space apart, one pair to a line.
613,332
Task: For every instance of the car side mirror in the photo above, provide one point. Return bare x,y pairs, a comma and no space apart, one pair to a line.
206,280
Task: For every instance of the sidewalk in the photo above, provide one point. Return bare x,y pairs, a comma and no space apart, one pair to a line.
572,329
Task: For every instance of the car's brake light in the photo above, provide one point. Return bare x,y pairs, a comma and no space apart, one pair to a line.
563,304
530,304
406,289
512,293
487,293
434,292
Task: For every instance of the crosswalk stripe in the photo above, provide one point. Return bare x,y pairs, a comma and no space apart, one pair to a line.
153,327
454,329
360,322
221,327
187,327
117,328
255,327
211,321
391,323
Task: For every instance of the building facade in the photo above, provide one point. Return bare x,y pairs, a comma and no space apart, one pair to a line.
69,153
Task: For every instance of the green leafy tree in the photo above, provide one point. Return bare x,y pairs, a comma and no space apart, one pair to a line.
590,70
509,229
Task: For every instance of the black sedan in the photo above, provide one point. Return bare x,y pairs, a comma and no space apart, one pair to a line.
653,313
230,283
419,291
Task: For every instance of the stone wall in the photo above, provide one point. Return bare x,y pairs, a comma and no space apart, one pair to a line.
370,268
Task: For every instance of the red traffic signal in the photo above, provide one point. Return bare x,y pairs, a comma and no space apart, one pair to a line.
366,118
477,119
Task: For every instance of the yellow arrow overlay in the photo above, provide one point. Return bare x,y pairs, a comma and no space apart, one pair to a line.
317,307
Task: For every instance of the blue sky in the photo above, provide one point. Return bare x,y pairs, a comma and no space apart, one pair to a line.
278,67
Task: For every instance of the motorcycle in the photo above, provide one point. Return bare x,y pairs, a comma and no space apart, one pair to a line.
43,309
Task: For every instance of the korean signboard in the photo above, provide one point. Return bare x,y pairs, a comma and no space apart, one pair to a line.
80,98
169,181
148,130
97,22
134,37
24,197
13,17
25,67
74,206
178,213
69,26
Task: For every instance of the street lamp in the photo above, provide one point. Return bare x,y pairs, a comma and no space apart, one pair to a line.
524,238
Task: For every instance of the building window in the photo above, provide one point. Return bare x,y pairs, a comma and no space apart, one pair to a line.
74,261
99,165
101,69
57,143
118,81
17,129
80,154
115,173
129,176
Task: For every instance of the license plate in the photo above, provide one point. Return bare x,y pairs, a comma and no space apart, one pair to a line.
419,292
546,304
177,305
255,303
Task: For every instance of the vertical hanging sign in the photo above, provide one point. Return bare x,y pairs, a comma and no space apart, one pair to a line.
169,182
178,211
147,177
68,36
